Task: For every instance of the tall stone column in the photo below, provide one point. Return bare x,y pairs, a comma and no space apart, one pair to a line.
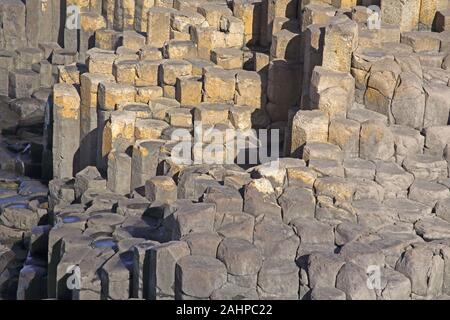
41,21
12,17
405,13
158,26
88,114
144,161
89,23
119,172
341,39
66,130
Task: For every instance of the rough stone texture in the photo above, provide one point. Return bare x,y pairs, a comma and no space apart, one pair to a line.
136,114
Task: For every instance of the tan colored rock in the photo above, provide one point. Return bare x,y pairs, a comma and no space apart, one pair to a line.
228,58
376,141
158,26
147,73
405,13
308,126
381,83
108,9
422,41
66,130
219,85
241,117
179,117
332,92
283,88
345,134
180,49
133,40
141,14
89,87
341,39
90,22
149,52
301,176
213,12
282,8
408,103
188,91
211,114
249,89
407,142
69,74
125,71
286,45
316,13
101,62
107,39
146,94
428,10
339,189
119,132
322,151
162,189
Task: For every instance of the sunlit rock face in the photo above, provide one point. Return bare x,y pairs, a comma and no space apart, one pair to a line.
212,149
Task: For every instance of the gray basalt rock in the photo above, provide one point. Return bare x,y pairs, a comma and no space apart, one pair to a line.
199,276
352,280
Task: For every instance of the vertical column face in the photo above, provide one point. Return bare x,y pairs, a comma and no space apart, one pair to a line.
250,12
345,4
88,115
89,23
72,22
39,21
313,51
341,39
22,83
117,133
428,10
119,172
332,92
12,16
4,82
381,148
308,126
279,8
264,39
118,15
128,14
66,130
141,14
158,26
284,88
162,261
101,156
404,13
145,161
108,12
